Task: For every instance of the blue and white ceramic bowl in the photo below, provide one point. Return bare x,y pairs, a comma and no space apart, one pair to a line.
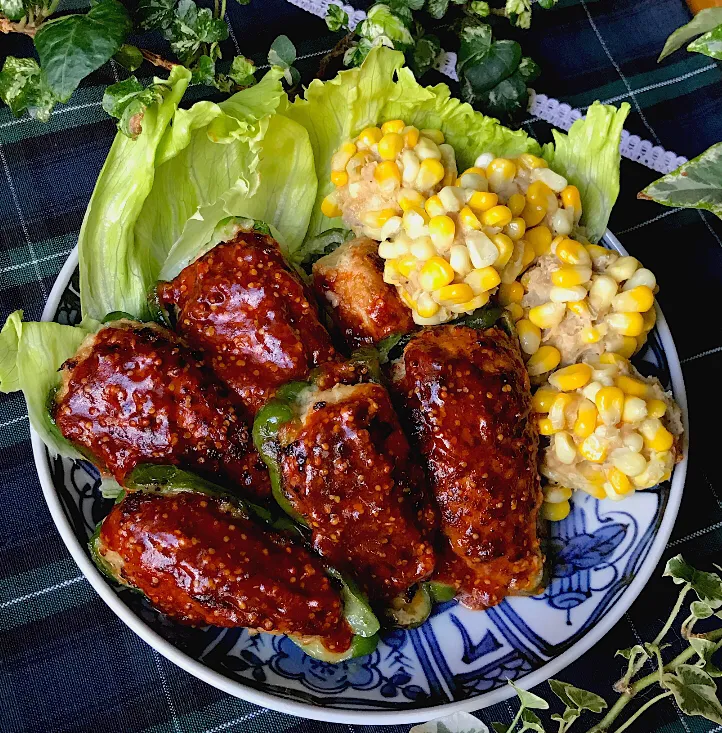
459,659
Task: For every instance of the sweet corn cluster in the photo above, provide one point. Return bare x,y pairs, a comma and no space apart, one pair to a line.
611,431
449,240
581,300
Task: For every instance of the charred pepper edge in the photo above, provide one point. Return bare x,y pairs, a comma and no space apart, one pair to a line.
167,480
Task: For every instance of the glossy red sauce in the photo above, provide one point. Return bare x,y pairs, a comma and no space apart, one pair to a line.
201,561
350,283
469,404
347,470
251,315
136,395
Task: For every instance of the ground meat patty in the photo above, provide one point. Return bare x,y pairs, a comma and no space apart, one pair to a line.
347,470
468,401
201,561
251,315
134,394
350,283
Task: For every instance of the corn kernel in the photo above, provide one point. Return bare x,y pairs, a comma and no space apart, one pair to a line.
478,301
481,201
404,294
442,230
571,377
431,172
540,237
564,447
586,421
546,359
376,219
572,252
342,156
579,308
472,181
643,276
568,295
497,216
369,136
571,275
406,264
591,335
469,219
453,294
631,386
634,441
330,208
543,399
622,268
635,409
628,347
516,204
557,412
544,426
499,172
539,194
530,162
392,126
609,357
415,222
387,172
602,292
510,293
427,149
422,248
572,200
619,481
434,207
436,135
426,306
435,273
556,182
637,300
515,311
505,248
339,178
555,512
452,198
459,260
656,408
409,198
627,324
656,436
593,449
553,493
533,214
528,256
411,136
547,315
392,276
610,403
482,279
596,252
529,336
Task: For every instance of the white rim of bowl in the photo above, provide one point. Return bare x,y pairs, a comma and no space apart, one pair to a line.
371,717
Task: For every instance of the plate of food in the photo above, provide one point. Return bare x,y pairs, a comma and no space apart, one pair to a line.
352,403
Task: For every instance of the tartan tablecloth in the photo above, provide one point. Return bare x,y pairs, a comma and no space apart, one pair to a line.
66,662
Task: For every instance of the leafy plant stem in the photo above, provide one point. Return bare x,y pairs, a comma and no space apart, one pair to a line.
223,9
673,614
7,26
641,710
516,719
604,725
157,60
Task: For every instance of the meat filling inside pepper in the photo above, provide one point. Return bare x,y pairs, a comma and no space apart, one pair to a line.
134,394
251,315
468,401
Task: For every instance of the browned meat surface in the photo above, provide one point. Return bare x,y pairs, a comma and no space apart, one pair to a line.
200,561
350,283
251,315
134,394
469,404
347,470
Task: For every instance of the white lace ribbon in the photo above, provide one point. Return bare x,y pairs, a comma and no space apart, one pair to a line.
541,107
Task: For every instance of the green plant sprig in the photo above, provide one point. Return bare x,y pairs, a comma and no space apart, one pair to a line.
689,677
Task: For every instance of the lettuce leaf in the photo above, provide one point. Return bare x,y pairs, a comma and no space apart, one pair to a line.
381,90
588,156
30,356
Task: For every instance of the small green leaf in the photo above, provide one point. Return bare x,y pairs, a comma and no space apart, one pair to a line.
336,18
530,721
705,650
357,52
498,64
695,692
706,170
710,44
204,71
475,43
12,9
282,52
547,4
23,87
700,609
500,727
567,717
507,100
529,70
74,46
424,55
127,101
129,57
242,70
192,27
243,2
631,652
519,12
575,697
529,699
706,20
437,8
156,14
480,8
383,23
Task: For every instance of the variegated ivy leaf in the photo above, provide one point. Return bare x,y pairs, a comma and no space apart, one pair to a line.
708,586
704,21
695,692
710,44
705,649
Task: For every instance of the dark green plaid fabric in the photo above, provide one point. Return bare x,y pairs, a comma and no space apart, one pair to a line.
66,662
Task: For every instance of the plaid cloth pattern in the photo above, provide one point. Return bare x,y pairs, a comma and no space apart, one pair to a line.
66,662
